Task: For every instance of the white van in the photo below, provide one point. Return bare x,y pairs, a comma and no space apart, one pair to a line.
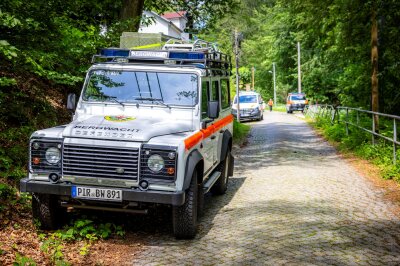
250,104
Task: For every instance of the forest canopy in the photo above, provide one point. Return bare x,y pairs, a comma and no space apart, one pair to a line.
46,48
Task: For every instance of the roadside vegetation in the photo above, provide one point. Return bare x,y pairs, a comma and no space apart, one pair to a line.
277,108
240,132
358,142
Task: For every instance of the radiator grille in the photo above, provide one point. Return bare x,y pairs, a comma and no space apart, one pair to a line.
100,162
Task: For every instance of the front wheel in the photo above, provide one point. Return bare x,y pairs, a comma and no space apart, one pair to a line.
184,218
46,211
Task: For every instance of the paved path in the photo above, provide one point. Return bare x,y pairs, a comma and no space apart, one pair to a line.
292,201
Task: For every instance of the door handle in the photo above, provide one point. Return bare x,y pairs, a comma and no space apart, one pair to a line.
221,131
213,137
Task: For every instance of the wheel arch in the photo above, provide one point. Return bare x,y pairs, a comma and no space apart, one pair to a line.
226,143
194,162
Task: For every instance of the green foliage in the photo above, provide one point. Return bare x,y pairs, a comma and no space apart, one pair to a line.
358,141
278,108
335,48
240,132
11,200
80,230
23,261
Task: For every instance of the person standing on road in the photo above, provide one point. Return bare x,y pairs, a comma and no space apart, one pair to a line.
270,103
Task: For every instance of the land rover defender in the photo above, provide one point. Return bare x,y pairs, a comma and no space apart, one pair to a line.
150,127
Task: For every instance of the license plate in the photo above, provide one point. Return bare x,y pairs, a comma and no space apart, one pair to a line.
96,193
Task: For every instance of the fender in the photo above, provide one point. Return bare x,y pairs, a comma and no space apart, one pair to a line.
192,161
226,138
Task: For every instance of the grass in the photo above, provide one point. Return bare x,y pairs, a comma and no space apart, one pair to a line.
359,143
240,132
278,108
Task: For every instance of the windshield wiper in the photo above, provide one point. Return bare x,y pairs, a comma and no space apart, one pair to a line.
113,98
154,100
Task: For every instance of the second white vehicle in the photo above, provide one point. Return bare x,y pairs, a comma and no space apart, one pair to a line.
251,106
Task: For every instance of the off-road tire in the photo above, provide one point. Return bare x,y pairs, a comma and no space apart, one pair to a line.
184,218
46,210
200,200
220,187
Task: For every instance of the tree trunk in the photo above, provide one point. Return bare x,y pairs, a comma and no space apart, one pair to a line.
132,10
374,61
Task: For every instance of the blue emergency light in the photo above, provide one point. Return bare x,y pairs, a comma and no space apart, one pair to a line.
187,55
114,52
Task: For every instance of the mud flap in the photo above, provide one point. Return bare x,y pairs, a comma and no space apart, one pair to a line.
231,166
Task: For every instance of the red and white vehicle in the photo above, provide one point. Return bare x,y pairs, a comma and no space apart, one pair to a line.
150,127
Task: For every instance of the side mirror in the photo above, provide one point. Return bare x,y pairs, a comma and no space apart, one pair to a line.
71,102
213,109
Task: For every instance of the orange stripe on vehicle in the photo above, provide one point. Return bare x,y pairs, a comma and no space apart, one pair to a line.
193,140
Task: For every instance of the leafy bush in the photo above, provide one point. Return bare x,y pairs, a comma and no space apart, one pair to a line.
80,230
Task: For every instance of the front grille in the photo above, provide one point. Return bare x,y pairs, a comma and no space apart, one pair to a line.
100,162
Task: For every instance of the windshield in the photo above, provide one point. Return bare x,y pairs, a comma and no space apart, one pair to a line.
247,99
298,97
139,86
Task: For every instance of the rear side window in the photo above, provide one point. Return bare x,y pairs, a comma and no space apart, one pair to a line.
205,96
215,90
225,97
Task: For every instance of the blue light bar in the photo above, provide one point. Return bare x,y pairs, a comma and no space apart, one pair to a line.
183,55
114,52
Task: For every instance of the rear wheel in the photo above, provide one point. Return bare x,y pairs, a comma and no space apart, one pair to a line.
46,210
184,218
221,185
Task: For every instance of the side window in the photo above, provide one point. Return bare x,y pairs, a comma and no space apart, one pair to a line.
225,97
205,96
215,90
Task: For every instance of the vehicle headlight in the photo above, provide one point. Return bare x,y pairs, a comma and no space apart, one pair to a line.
53,155
155,163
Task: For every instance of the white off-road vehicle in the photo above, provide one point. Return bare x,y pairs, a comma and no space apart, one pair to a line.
150,127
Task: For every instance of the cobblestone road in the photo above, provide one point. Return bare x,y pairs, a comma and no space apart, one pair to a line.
292,201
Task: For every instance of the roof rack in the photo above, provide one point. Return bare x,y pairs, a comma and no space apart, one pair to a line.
197,45
200,55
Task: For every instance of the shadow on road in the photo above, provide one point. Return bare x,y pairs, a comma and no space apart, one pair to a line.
280,144
292,231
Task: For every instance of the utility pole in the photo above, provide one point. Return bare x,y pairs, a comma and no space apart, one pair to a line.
273,69
252,78
237,72
298,67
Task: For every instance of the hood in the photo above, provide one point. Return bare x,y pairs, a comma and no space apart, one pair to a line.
246,105
125,128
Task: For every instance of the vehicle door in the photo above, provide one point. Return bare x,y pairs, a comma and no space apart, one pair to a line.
215,96
207,149
225,110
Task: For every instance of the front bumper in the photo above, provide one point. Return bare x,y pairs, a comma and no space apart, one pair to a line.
297,107
135,195
247,115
